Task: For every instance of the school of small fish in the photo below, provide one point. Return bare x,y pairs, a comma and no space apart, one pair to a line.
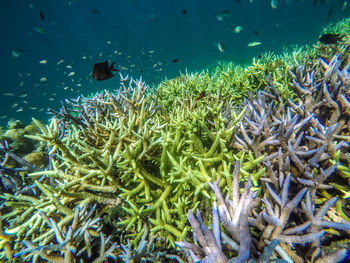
73,79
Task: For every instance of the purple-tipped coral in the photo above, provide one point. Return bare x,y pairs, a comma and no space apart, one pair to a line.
276,222
71,243
146,251
233,215
145,162
302,145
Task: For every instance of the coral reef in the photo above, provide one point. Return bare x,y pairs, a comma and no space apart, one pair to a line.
15,137
305,141
73,241
128,169
272,222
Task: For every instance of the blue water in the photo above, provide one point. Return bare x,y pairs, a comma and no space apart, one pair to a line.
143,37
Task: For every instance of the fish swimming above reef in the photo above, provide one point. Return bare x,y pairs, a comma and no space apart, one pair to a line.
42,16
237,29
224,13
330,14
16,53
330,38
221,47
274,4
254,44
40,30
344,6
102,71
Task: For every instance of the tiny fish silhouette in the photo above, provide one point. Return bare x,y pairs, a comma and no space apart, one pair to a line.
102,71
42,16
330,14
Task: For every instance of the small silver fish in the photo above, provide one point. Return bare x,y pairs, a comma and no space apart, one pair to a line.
238,29
40,30
224,13
8,94
16,53
221,47
254,44
59,62
274,4
345,4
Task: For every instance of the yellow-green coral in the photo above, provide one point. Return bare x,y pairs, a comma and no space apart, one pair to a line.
153,154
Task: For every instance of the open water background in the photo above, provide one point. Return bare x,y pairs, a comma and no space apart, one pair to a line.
143,37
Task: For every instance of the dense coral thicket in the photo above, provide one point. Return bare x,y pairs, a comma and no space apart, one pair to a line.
127,170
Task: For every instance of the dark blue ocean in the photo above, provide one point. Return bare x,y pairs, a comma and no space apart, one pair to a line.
48,48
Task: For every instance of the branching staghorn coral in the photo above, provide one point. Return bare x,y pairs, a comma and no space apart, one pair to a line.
331,87
273,222
317,222
299,135
192,147
300,139
122,149
297,144
97,143
234,218
74,237
234,82
11,179
146,251
149,160
331,108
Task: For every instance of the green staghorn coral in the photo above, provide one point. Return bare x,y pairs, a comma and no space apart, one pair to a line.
152,154
153,162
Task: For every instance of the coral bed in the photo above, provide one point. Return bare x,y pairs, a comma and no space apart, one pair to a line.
127,170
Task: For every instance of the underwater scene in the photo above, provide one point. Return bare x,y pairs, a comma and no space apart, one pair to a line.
175,131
